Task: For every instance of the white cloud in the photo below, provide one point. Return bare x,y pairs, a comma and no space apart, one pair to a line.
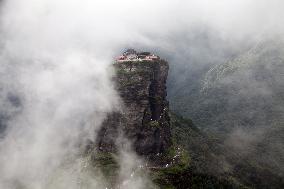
55,55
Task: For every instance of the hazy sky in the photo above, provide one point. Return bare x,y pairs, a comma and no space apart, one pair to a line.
54,57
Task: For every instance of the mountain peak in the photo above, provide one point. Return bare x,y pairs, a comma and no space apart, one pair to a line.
144,118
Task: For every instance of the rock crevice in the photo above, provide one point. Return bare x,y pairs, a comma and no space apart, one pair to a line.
144,120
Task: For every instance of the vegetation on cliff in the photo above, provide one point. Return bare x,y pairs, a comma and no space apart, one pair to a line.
177,154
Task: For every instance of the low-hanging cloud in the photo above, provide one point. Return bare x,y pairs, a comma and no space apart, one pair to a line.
56,84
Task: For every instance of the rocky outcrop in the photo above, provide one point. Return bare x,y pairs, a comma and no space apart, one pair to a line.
144,120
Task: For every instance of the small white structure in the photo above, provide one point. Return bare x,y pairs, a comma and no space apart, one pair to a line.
132,55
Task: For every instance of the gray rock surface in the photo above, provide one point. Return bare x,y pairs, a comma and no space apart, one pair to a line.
144,120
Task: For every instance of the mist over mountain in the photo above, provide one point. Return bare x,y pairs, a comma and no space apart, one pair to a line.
241,100
247,86
57,90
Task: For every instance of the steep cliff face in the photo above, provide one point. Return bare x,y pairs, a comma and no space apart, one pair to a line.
144,120
177,154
